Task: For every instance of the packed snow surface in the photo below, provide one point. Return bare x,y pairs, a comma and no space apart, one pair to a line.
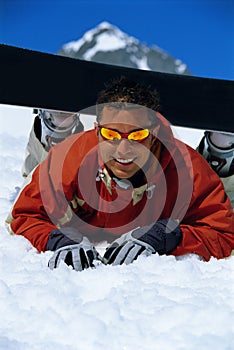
157,302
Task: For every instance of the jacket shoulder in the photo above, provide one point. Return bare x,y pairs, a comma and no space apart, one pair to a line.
77,145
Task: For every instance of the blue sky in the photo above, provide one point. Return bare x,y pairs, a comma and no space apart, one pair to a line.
199,32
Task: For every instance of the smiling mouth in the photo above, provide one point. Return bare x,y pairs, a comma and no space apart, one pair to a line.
124,161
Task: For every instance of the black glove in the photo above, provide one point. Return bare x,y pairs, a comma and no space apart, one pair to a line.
78,253
161,237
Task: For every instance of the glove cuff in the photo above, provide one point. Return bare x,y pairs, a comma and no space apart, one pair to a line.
163,236
64,237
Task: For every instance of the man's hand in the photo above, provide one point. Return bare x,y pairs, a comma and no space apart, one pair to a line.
161,237
80,256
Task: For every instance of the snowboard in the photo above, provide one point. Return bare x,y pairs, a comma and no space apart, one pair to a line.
40,80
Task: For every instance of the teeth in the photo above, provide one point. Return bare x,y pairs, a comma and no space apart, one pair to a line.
124,161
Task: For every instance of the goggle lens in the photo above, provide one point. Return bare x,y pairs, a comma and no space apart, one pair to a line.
113,135
139,135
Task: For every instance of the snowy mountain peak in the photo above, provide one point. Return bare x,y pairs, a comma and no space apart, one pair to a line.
106,43
105,37
106,29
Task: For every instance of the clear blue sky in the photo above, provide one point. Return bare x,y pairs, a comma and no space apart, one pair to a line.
199,32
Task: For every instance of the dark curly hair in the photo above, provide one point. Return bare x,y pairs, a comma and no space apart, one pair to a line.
124,93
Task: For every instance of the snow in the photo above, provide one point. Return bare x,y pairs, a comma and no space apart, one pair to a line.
112,41
107,37
181,67
105,42
158,302
141,63
115,39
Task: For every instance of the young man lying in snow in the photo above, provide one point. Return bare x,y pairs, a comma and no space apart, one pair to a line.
128,182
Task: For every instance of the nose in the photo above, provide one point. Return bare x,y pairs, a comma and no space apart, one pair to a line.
124,147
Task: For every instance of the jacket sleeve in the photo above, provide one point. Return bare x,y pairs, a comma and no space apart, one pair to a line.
41,206
44,203
208,226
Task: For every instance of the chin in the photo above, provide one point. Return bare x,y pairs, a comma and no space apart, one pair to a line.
122,174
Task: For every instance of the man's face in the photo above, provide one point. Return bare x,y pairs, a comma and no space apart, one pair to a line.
125,157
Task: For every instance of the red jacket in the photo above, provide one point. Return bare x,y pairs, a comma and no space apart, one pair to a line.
72,188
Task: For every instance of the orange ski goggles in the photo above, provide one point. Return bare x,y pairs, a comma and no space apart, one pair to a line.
138,135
